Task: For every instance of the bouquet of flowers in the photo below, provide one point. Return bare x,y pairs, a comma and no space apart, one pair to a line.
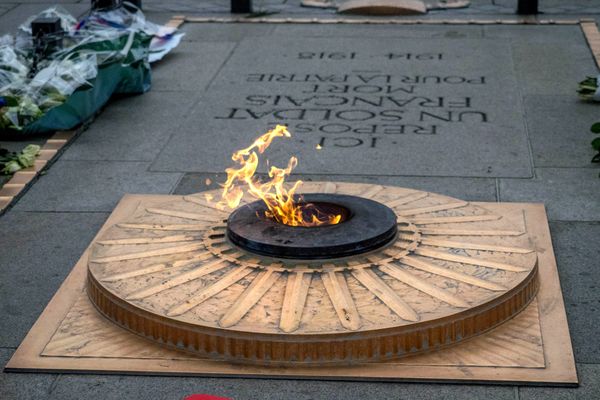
106,52
11,162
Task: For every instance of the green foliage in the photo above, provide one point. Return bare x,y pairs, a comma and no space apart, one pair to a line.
11,162
596,143
587,88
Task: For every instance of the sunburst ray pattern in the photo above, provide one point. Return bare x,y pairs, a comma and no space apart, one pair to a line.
450,256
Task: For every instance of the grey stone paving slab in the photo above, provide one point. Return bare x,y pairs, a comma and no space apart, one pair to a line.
376,107
473,189
589,387
120,387
132,128
395,31
570,194
93,186
583,325
4,8
10,21
559,130
38,252
158,17
23,386
577,254
552,68
536,33
199,32
190,68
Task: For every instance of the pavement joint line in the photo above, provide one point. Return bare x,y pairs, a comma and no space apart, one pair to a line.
592,36
61,212
54,384
587,221
526,20
497,185
174,188
524,121
315,174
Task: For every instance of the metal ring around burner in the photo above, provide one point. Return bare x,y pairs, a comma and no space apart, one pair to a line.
367,225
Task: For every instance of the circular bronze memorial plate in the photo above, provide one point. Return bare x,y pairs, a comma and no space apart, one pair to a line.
454,270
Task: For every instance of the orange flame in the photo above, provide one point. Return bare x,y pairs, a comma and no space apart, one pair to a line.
280,202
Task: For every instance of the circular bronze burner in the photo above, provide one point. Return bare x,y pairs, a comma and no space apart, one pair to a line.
365,225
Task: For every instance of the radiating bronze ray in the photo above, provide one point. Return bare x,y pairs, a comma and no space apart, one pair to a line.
468,260
469,232
296,292
184,215
389,297
328,187
180,279
450,273
455,219
429,209
406,199
207,292
257,289
151,253
166,227
337,289
422,285
473,246
372,191
203,202
148,240
157,268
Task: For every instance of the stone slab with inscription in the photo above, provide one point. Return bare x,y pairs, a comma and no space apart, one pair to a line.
390,107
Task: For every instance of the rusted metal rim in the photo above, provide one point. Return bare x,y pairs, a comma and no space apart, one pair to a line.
302,349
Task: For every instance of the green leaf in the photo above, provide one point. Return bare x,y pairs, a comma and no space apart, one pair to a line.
13,166
596,144
596,127
31,149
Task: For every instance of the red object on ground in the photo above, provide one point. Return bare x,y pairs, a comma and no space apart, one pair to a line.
205,397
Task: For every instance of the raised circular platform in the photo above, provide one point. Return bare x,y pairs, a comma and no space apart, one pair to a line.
454,270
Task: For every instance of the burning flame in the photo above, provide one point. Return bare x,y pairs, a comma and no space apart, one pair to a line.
280,202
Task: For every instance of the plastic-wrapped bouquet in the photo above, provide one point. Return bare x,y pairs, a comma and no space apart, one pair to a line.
130,18
25,99
106,52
